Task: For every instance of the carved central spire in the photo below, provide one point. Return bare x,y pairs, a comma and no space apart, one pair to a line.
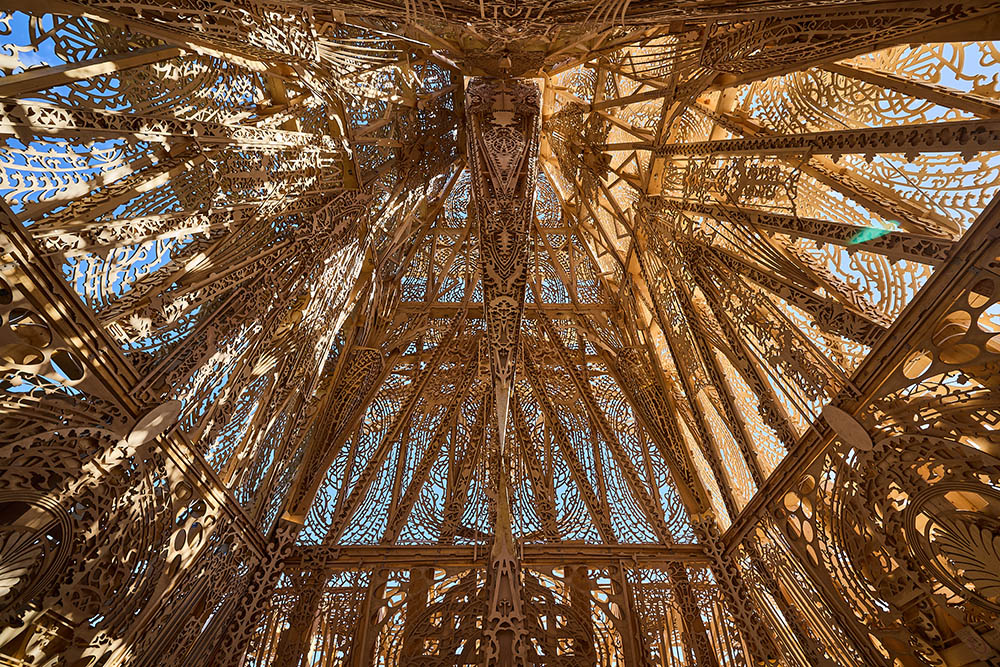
504,125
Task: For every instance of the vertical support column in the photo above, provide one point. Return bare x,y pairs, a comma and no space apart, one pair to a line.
632,645
416,603
231,651
504,126
505,634
579,596
363,646
295,640
695,632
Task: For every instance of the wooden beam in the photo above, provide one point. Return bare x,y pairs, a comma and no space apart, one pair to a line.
932,92
360,557
41,78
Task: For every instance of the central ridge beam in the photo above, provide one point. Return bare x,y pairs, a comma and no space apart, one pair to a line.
504,126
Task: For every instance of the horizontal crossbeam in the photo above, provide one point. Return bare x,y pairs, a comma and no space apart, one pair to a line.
360,557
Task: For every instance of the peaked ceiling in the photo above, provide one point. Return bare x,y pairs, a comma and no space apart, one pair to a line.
377,299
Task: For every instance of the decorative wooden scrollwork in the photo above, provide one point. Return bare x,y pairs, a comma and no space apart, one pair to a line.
557,333
504,122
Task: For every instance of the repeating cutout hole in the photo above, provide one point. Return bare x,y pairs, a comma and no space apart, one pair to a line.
989,319
19,354
960,353
916,364
981,293
952,328
29,327
67,365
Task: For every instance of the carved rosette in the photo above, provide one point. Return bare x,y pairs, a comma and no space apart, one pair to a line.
504,125
910,524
